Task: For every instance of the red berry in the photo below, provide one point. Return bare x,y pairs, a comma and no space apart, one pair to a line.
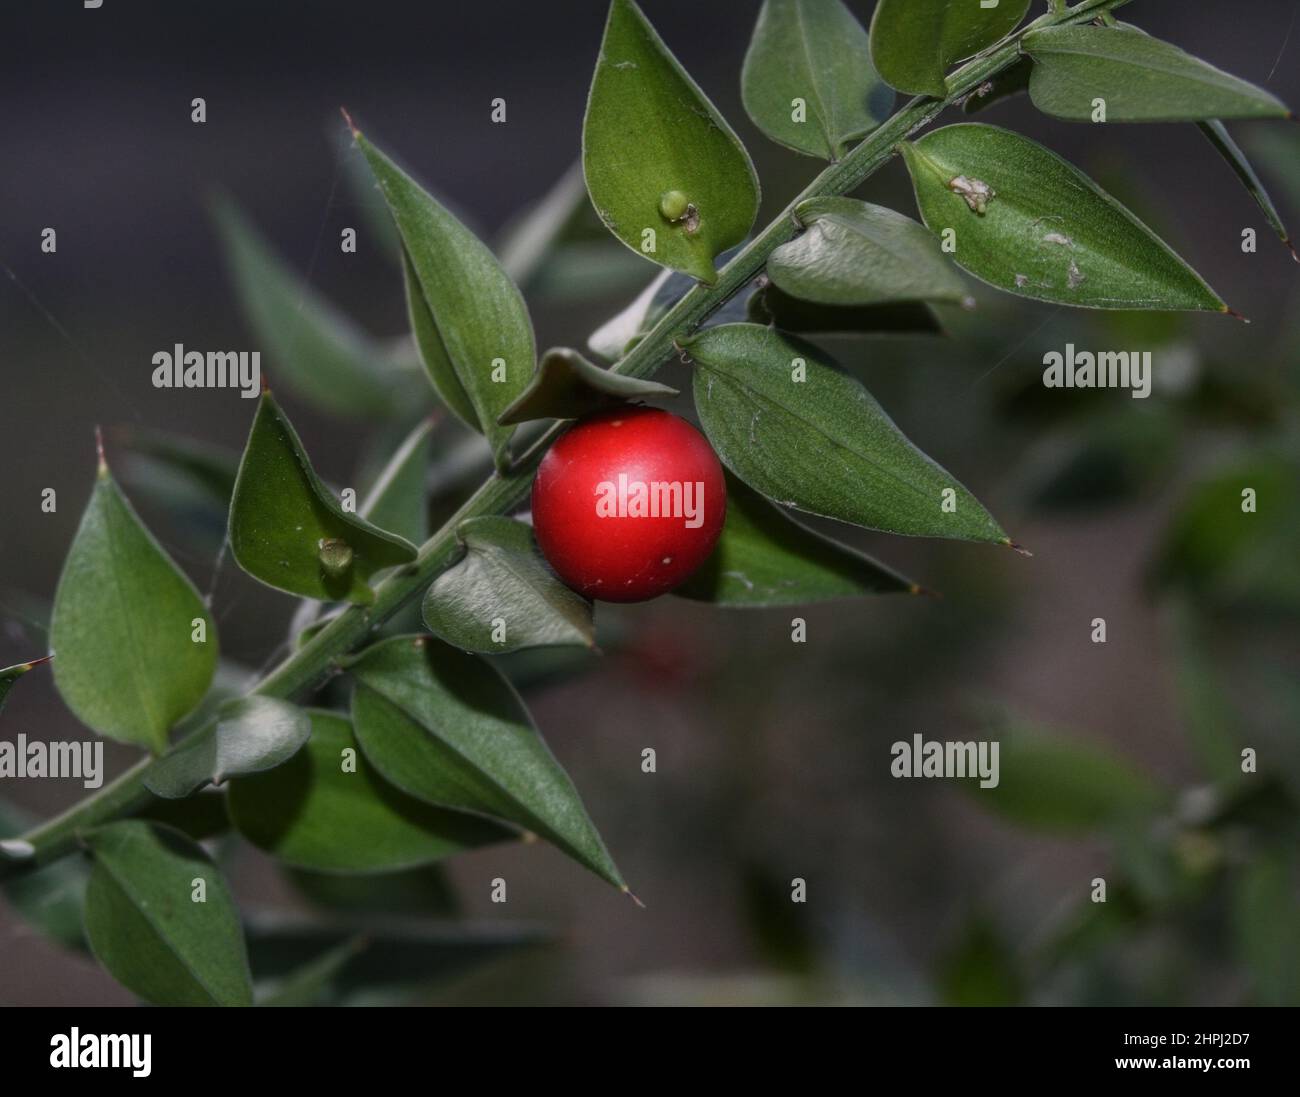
628,503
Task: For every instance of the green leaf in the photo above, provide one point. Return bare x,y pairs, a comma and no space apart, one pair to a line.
424,892
766,559
146,928
817,52
502,596
51,899
1217,134
398,499
1006,84
1141,79
1056,784
657,155
473,330
770,306
854,253
567,386
447,727
123,626
915,42
823,444
251,734
288,530
327,809
1029,223
9,675
309,984
311,347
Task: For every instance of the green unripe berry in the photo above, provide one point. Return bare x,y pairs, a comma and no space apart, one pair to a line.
673,205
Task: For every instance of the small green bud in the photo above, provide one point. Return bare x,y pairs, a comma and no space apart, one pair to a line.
673,205
335,556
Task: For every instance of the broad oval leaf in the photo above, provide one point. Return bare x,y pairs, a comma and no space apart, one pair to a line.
766,559
821,444
854,253
915,42
470,320
311,347
9,675
288,530
251,734
502,596
567,386
328,809
135,646
772,306
1029,223
146,928
808,81
663,168
447,727
1139,79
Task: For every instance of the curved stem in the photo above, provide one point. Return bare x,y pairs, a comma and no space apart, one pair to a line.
502,493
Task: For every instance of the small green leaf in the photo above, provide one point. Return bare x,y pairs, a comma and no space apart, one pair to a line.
1029,223
770,306
470,321
251,734
9,675
663,168
288,530
398,499
1139,79
808,82
147,928
567,386
915,42
126,627
327,809
1217,134
766,559
821,444
447,727
310,346
502,596
854,253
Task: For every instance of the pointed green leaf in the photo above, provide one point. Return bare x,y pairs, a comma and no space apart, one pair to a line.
146,927
447,727
662,165
1029,223
474,325
309,345
1140,79
567,386
915,42
821,444
288,530
854,253
327,809
766,559
808,82
124,626
1217,134
770,306
251,734
398,499
9,675
502,596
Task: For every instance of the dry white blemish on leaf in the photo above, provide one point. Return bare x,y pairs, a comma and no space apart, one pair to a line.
1022,280
976,192
1058,238
1075,276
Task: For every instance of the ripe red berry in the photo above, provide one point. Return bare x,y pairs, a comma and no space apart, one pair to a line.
628,503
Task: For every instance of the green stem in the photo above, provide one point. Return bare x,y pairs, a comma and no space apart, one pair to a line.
501,494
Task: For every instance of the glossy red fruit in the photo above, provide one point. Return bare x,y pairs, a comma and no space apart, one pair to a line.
628,503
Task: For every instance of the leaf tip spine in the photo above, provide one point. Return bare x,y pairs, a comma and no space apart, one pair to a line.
347,118
101,464
1235,314
1014,547
632,895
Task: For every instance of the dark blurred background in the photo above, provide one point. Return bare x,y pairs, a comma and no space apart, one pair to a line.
773,757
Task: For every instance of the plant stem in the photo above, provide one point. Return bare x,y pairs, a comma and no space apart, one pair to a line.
501,494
